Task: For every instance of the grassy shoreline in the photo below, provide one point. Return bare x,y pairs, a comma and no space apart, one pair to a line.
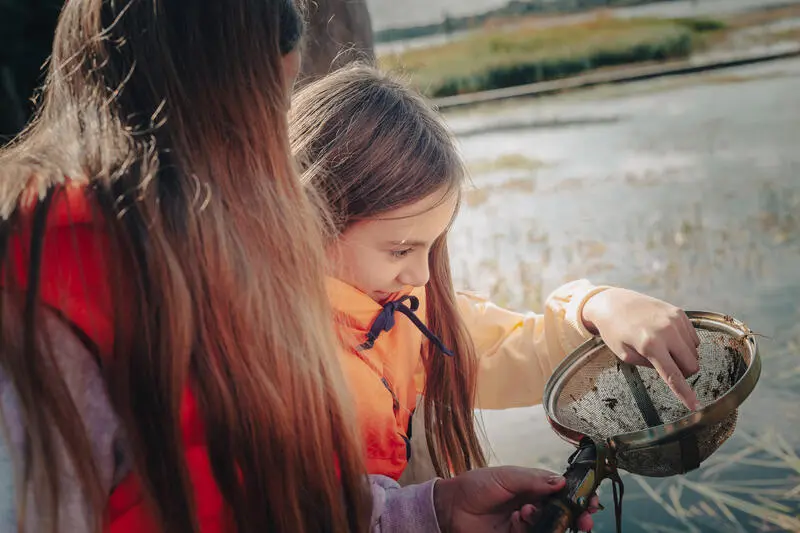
506,57
510,11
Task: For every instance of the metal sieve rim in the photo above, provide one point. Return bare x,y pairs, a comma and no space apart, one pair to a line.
710,414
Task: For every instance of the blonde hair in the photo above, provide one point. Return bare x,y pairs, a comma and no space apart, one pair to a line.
152,103
367,145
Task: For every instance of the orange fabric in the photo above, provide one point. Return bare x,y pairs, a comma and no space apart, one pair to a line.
396,357
517,352
74,281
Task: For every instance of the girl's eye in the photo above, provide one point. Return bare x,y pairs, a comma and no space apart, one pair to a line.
399,254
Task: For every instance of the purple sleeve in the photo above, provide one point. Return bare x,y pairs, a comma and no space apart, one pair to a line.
84,380
400,510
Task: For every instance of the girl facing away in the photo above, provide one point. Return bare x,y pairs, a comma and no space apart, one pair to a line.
129,227
387,167
165,338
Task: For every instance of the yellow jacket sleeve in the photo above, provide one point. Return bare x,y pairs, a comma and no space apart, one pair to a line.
518,351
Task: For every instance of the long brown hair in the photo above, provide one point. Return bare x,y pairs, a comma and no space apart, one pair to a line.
368,145
173,114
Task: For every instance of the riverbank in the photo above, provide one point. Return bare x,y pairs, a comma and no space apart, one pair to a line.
513,9
506,57
574,52
621,75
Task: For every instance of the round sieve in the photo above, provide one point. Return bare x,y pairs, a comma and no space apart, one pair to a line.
647,430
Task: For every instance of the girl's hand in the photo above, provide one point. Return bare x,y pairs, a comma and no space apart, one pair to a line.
644,331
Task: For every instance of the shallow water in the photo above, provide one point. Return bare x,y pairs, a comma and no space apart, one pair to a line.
687,189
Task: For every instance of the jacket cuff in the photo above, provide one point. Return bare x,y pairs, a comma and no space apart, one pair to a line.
408,508
574,312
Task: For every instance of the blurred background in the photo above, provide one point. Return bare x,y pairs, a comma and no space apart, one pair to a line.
653,145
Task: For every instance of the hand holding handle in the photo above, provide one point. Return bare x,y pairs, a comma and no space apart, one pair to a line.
583,476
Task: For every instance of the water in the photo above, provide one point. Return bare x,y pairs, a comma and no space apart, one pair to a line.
779,26
686,189
398,14
386,14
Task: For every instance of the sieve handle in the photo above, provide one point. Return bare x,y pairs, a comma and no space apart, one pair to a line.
563,508
556,518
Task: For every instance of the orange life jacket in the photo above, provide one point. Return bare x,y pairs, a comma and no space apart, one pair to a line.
381,357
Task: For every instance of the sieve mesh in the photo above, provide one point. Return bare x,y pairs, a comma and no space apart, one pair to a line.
597,401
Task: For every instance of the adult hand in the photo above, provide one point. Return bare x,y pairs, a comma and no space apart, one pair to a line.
497,499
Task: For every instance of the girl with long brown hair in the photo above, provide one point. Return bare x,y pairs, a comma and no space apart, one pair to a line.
143,209
389,172
165,340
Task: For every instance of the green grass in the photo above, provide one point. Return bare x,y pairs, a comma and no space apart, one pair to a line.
701,25
505,57
510,12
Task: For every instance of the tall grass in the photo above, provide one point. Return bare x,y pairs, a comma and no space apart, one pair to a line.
506,57
739,505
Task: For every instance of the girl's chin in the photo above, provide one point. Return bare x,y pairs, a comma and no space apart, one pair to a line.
381,296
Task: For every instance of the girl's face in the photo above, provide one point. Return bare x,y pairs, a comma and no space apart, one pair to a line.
382,255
